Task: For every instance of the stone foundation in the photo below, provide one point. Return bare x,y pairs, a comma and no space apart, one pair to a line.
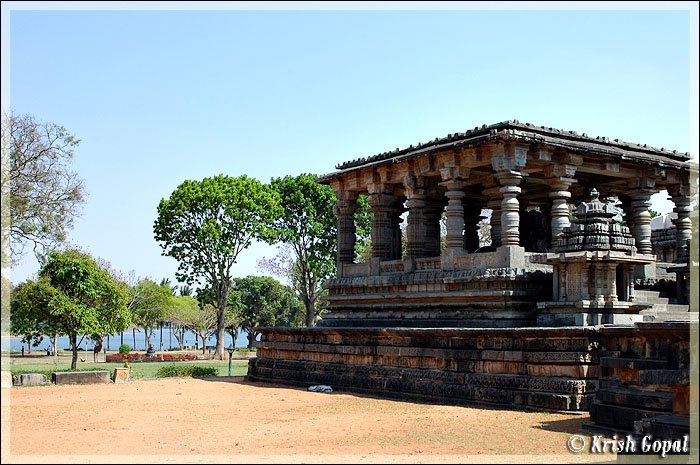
644,380
542,368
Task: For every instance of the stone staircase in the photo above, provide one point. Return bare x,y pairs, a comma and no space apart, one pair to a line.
664,308
644,382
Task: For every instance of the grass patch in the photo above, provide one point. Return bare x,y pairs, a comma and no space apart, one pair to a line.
182,371
139,370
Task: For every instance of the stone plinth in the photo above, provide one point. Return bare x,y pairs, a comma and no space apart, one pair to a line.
29,379
80,377
493,289
543,368
121,375
644,379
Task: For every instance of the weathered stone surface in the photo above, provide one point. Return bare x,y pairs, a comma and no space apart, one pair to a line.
633,364
29,379
631,397
618,416
121,375
663,426
670,377
557,366
80,377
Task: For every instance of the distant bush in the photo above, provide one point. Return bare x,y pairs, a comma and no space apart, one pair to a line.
140,357
124,349
181,371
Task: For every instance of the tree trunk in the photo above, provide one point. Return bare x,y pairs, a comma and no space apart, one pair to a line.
74,348
222,303
147,337
55,346
310,313
97,349
170,332
133,333
121,338
204,343
161,336
251,339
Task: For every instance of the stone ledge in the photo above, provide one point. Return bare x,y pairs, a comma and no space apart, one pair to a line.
80,377
29,379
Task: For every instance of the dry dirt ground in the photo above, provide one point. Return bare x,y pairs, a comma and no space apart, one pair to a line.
232,420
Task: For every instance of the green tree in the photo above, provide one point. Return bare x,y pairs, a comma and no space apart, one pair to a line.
73,296
206,224
207,297
264,301
149,303
43,194
182,314
307,226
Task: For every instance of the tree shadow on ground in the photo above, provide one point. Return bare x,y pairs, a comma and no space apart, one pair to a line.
573,425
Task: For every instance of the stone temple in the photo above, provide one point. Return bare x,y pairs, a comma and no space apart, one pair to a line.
566,307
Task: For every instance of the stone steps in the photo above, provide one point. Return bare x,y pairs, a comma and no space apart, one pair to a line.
650,297
619,417
634,397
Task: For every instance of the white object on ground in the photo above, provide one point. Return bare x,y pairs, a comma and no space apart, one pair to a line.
320,388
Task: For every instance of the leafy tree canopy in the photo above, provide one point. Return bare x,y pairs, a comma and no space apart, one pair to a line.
73,296
206,224
308,227
264,301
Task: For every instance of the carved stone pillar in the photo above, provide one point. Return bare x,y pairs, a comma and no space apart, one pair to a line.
432,215
494,204
472,218
642,220
453,180
396,221
455,216
510,208
382,232
559,212
345,210
612,282
680,196
415,227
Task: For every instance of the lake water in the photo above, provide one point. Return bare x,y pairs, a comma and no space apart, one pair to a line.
15,343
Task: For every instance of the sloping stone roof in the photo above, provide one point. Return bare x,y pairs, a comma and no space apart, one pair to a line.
525,132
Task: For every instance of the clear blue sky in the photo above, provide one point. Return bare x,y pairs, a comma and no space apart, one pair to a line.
158,97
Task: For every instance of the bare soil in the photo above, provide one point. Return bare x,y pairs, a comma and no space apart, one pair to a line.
233,420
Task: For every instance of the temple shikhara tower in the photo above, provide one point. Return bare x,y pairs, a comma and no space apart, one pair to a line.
498,256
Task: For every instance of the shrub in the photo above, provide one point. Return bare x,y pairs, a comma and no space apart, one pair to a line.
179,371
124,349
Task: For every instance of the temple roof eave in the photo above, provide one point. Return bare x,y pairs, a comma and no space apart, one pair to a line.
525,133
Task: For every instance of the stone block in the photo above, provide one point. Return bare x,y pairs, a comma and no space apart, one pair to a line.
29,379
121,375
618,416
633,364
80,377
664,377
549,401
663,426
631,397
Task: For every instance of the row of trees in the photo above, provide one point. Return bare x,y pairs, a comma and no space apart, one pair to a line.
206,224
77,297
